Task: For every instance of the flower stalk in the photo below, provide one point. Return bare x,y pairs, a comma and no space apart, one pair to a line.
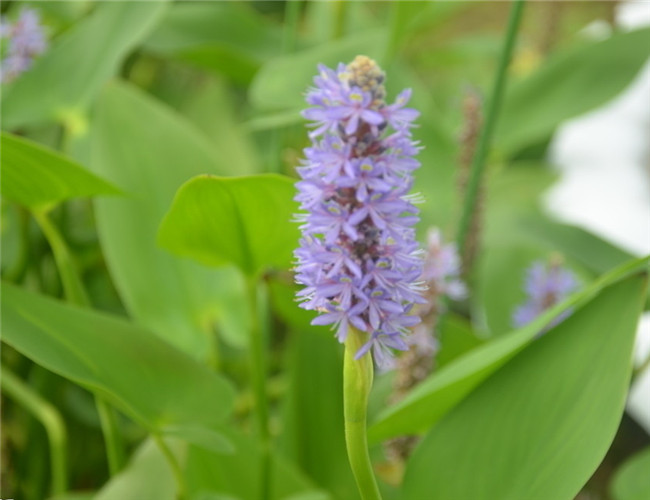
357,383
493,107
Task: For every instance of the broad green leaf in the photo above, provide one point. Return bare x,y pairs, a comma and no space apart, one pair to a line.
36,177
149,151
591,251
569,84
223,128
245,221
282,82
237,474
632,480
154,383
228,38
456,338
203,437
538,427
148,475
78,64
443,390
313,410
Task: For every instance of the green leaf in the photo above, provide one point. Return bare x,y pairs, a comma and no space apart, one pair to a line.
443,390
36,177
456,338
203,437
282,82
313,410
591,251
148,475
237,474
148,379
245,221
570,84
538,427
77,64
226,37
632,480
150,151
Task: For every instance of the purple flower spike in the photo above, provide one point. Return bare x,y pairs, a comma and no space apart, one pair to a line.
358,258
26,41
546,285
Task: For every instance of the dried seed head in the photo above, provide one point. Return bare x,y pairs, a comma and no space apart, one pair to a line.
366,74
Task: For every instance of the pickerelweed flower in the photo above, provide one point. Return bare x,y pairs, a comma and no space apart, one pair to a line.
358,258
546,285
441,274
26,40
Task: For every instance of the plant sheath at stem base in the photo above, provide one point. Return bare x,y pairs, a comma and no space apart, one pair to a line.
357,382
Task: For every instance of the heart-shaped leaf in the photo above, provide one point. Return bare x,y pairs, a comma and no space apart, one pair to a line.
245,221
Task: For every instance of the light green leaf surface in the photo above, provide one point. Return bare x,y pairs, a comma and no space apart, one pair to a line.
632,480
443,390
141,374
203,437
149,151
148,476
282,82
36,177
245,221
64,79
570,84
237,474
313,410
229,38
456,338
582,246
538,427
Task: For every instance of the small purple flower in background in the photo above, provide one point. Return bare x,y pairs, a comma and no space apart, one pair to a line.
358,257
546,285
441,273
26,40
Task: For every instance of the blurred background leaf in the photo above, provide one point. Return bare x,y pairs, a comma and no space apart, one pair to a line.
86,347
149,151
34,176
78,64
632,481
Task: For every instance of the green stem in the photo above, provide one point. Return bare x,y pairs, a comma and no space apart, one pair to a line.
257,301
76,294
357,382
478,163
51,419
110,430
17,273
177,471
396,22
72,285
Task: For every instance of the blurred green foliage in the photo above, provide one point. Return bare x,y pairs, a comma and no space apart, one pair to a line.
134,100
